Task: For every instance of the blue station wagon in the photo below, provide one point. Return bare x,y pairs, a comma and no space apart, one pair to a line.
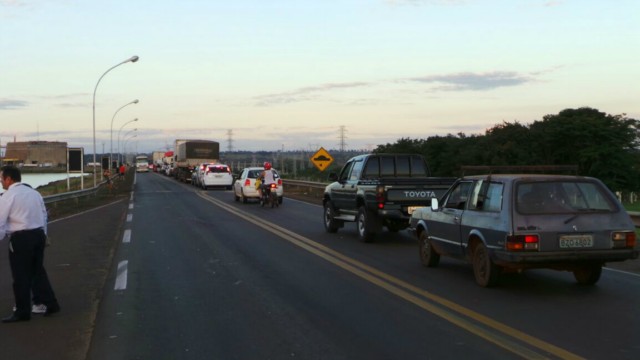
513,222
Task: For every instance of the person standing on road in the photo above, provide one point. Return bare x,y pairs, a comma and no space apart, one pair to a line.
121,171
23,218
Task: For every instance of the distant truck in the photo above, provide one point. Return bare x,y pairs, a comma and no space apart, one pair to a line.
191,153
157,158
380,190
142,163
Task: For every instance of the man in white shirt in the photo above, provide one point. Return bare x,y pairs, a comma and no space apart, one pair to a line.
23,218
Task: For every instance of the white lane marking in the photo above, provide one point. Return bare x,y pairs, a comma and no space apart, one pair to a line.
121,277
130,205
621,271
129,217
126,238
131,198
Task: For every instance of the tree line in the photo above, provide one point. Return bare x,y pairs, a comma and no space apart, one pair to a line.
600,145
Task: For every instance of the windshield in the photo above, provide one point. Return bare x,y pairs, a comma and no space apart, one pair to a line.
562,197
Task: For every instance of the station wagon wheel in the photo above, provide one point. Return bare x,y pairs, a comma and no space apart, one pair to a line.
484,270
364,224
428,256
330,223
588,275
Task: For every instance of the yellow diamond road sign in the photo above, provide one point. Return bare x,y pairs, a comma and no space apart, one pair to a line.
321,159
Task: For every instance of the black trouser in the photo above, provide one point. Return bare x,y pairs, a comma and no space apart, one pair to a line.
26,256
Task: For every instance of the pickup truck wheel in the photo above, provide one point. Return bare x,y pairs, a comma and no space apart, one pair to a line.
330,223
428,256
484,270
588,275
364,223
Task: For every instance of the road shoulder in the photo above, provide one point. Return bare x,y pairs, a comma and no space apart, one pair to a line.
78,263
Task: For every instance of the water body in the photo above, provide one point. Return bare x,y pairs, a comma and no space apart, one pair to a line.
36,180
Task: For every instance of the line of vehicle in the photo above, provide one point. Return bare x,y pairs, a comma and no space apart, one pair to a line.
491,330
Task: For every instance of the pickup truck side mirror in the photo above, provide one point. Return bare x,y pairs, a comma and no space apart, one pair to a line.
434,204
333,176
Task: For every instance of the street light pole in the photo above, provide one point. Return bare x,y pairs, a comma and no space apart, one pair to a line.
125,135
131,59
111,131
124,143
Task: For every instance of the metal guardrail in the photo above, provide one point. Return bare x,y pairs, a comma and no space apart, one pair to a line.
50,199
309,184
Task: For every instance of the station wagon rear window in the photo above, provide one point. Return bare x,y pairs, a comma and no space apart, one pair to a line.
559,197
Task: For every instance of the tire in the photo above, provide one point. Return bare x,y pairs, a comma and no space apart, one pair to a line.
235,197
331,225
244,198
588,275
273,199
364,223
485,271
428,256
280,200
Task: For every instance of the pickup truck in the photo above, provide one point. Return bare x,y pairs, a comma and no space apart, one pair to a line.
380,190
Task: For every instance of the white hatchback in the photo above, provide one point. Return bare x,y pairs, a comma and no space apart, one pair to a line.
245,186
214,175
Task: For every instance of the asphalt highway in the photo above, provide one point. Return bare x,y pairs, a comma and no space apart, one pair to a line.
174,272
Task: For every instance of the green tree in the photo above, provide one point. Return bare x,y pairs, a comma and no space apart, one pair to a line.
603,146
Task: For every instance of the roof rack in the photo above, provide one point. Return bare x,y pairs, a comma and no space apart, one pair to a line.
505,169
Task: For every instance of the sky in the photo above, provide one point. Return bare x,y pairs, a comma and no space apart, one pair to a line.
298,74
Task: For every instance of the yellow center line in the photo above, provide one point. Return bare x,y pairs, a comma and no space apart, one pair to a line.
501,336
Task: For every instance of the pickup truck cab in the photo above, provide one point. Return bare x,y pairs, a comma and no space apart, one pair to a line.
513,222
379,190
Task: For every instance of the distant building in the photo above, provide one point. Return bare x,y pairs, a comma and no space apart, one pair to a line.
36,153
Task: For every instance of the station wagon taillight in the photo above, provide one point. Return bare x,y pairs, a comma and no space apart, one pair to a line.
522,242
623,239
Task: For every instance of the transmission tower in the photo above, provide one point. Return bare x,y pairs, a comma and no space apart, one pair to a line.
229,140
343,137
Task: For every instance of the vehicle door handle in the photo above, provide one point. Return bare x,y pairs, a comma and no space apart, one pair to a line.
456,219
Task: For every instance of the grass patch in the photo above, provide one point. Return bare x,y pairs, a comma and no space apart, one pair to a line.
632,207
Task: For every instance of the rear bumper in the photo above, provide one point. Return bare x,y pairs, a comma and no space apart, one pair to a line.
562,259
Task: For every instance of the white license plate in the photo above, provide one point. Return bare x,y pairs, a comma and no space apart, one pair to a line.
576,241
411,209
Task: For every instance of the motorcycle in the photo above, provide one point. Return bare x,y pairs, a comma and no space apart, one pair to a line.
269,195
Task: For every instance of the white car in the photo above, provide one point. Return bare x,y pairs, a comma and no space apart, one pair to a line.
214,175
245,186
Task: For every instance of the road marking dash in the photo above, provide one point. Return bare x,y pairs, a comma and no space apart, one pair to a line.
126,238
121,277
